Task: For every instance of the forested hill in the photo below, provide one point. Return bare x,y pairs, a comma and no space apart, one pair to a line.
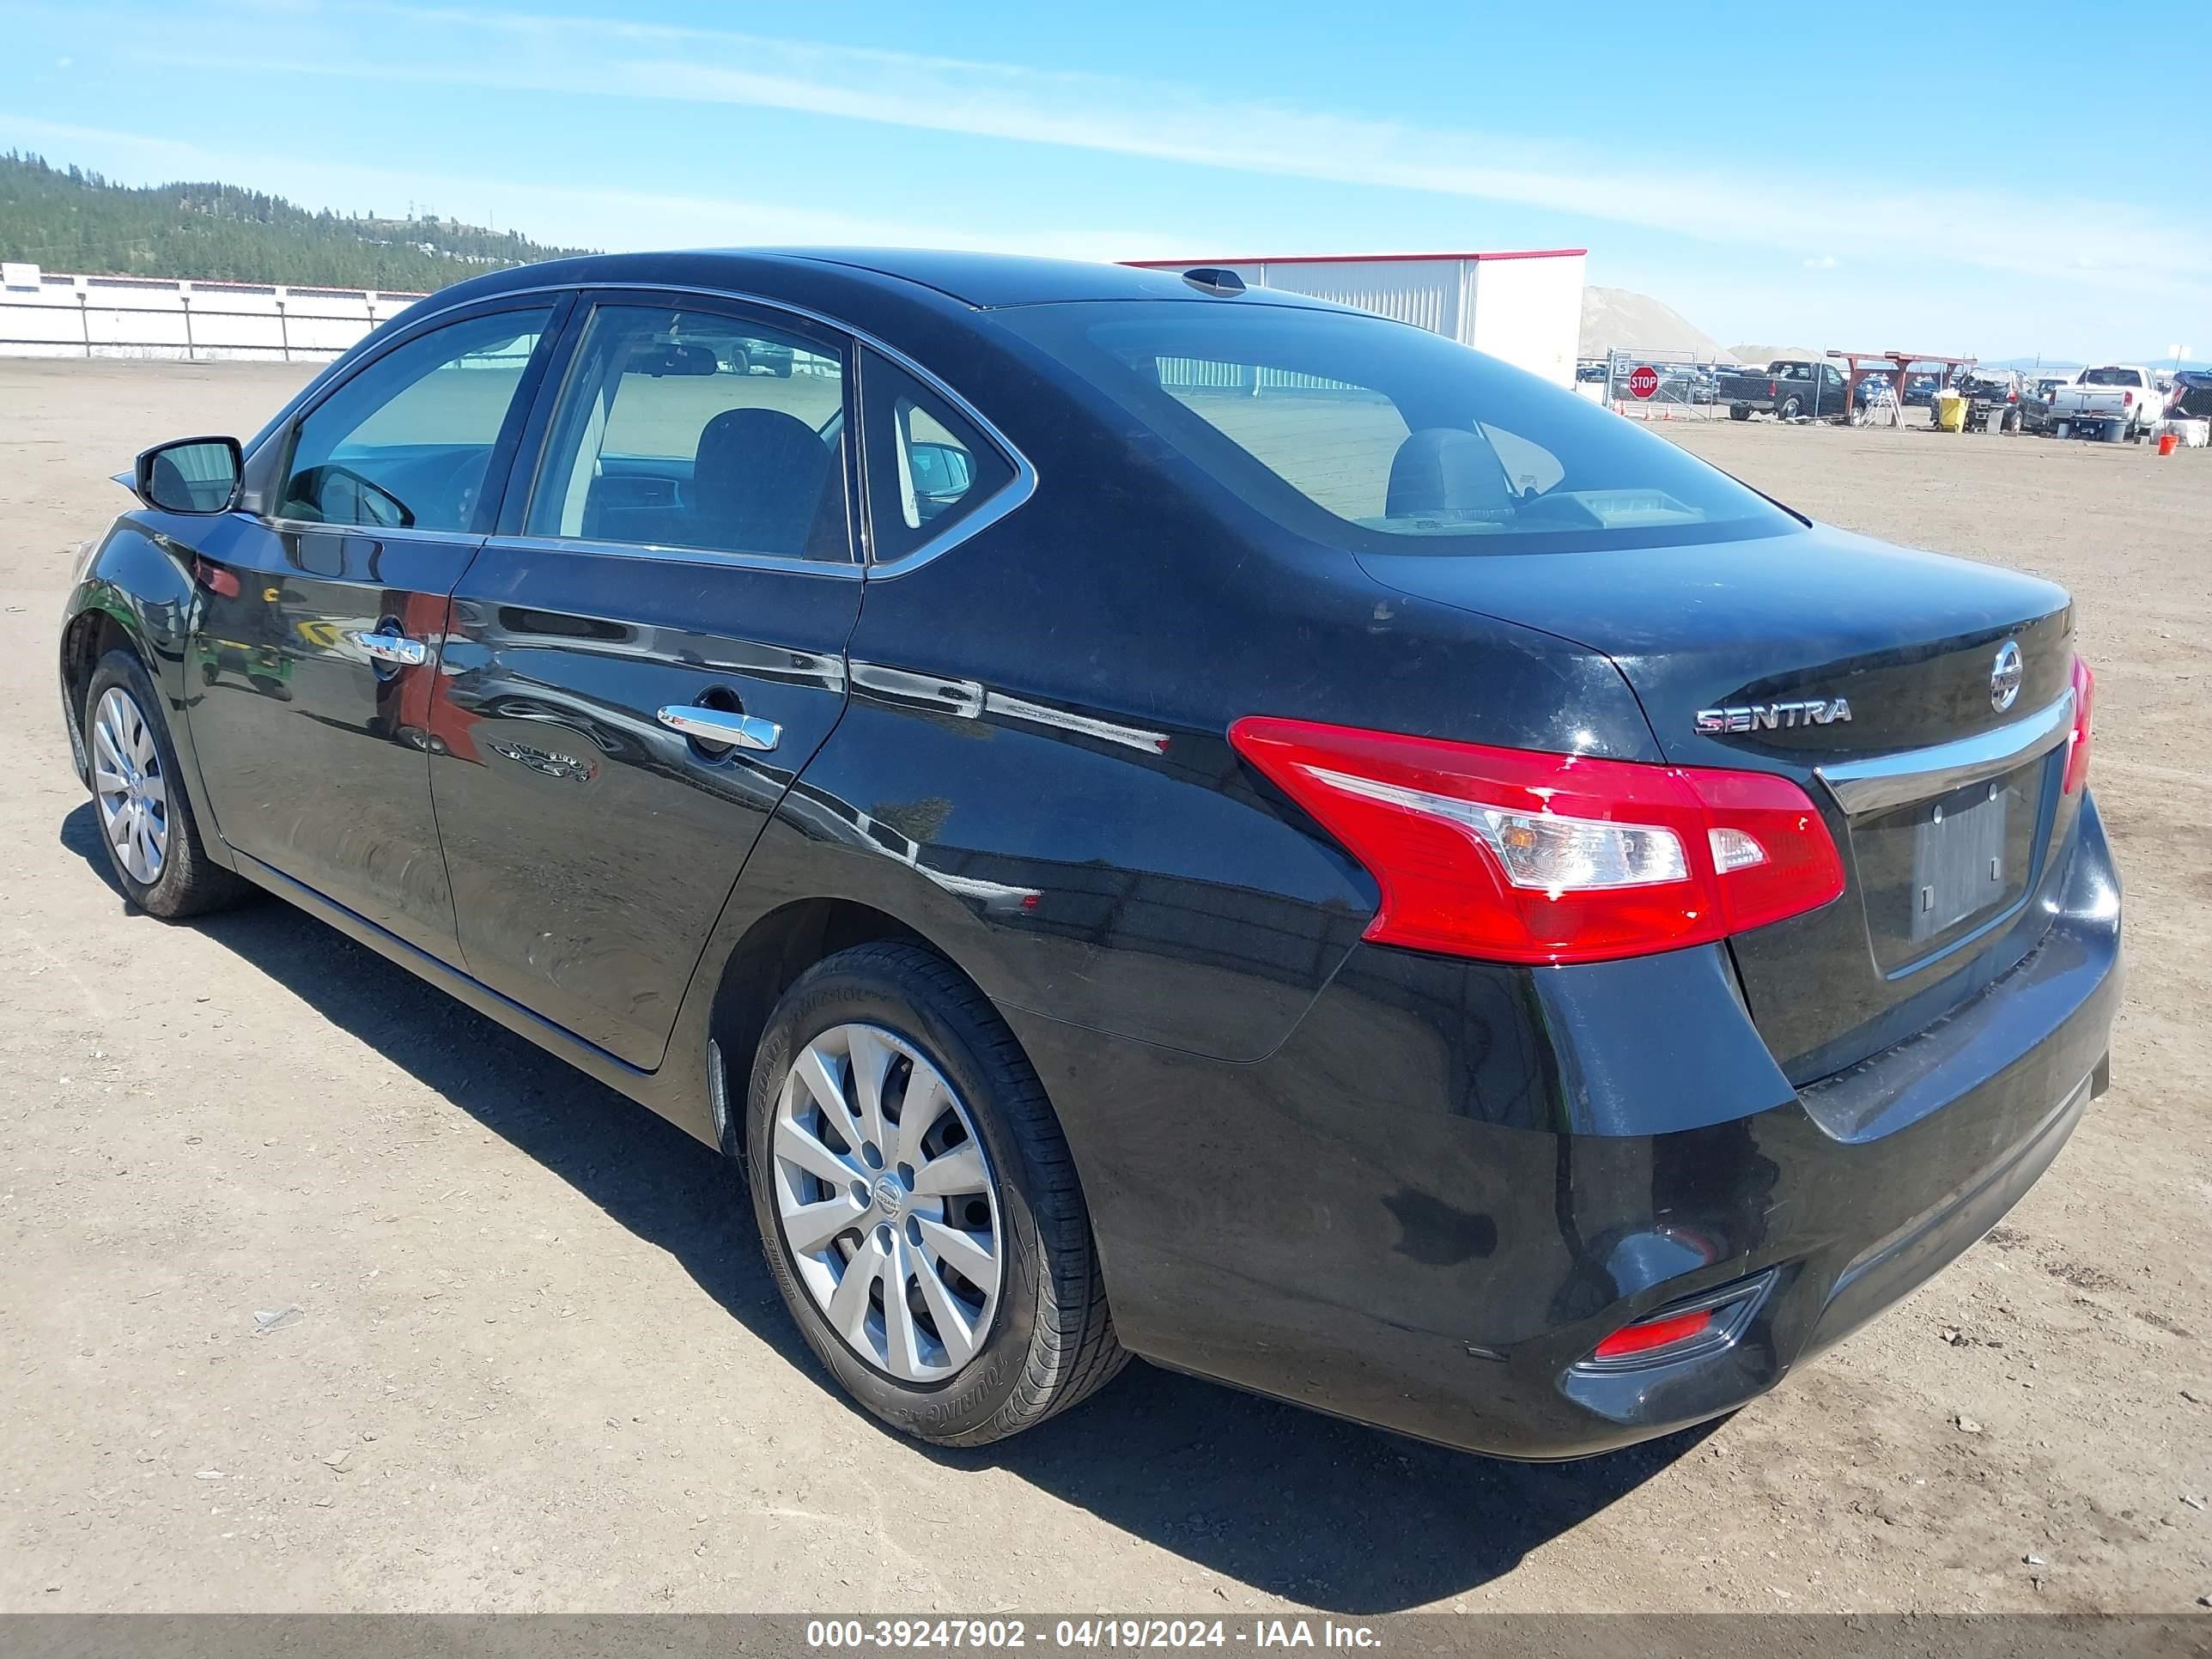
67,220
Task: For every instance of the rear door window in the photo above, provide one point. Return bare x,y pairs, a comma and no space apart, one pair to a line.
690,428
930,468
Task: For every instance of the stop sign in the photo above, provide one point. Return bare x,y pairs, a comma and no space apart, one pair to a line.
1644,382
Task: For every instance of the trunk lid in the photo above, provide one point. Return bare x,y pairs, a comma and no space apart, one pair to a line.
1741,653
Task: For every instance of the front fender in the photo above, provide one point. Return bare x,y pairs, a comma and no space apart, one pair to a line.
136,590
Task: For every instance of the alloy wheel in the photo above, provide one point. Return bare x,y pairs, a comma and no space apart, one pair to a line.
129,784
887,1202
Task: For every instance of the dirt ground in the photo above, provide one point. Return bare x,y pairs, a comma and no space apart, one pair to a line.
540,1364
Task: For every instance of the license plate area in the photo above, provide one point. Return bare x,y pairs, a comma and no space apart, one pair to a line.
1958,861
1934,872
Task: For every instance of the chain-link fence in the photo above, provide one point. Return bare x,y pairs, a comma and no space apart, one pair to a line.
1657,385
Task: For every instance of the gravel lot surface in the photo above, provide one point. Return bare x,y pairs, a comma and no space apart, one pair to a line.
539,1363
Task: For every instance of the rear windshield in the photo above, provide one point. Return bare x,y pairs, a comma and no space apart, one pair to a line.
2112,377
1381,437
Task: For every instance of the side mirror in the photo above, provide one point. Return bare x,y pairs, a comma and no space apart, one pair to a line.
190,474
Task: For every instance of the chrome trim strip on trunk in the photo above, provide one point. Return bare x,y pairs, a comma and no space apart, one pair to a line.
1889,781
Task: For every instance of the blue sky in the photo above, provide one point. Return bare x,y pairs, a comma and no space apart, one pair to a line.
1775,174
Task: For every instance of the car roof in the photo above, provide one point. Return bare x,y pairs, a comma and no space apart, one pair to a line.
987,281
993,280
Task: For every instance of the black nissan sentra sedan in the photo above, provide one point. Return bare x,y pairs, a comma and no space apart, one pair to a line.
1149,816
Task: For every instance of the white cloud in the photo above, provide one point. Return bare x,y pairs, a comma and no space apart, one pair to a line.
1824,262
1798,215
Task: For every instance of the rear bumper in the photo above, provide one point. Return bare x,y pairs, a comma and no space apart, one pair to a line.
1426,1210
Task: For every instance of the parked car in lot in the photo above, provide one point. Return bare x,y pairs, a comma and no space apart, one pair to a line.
1149,818
1872,388
2037,400
1786,389
2115,401
1991,395
2192,396
746,353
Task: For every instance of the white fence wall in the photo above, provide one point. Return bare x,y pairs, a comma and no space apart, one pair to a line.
46,315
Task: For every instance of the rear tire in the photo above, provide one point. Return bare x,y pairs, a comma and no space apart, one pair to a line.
146,822
1035,1342
1790,410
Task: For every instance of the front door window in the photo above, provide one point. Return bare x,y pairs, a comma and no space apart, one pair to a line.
406,443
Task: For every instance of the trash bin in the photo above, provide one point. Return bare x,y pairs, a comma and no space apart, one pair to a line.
1950,411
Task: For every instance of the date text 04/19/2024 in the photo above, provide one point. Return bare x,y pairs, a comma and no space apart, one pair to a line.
1005,1634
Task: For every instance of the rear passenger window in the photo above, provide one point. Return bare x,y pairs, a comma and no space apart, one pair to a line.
929,467
687,429
1331,441
1345,447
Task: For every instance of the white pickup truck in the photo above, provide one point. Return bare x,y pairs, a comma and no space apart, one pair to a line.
2120,400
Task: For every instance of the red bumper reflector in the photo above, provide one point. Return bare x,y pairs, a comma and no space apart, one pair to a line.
1647,1335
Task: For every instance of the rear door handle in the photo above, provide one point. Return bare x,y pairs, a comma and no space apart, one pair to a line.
392,647
718,725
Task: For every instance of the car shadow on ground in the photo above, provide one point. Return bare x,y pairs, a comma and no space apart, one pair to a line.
1287,1501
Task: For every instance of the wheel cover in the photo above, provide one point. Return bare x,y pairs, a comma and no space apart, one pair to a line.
130,787
887,1202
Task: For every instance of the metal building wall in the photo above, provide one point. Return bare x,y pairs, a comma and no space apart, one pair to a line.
1528,312
1525,307
1429,293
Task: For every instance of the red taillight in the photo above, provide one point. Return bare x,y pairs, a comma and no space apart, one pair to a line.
2127,400
1513,855
1772,388
1647,1335
2077,745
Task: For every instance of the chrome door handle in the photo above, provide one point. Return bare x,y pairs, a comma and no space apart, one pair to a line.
718,726
392,647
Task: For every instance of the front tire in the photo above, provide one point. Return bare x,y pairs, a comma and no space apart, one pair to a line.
146,823
917,1202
